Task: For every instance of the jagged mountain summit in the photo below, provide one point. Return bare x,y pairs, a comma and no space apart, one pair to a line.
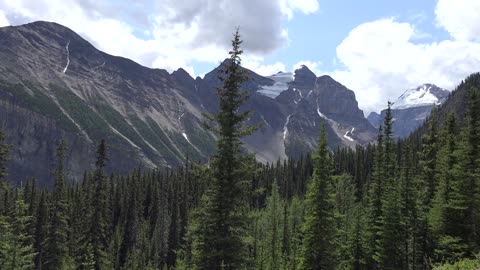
412,108
423,95
54,84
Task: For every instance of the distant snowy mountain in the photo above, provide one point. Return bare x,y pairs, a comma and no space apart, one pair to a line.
424,95
412,108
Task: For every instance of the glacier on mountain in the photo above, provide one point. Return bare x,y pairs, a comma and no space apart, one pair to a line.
424,95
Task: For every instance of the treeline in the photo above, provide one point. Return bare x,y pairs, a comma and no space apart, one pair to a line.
396,204
138,221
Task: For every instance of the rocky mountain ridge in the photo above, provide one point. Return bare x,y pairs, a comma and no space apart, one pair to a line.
55,84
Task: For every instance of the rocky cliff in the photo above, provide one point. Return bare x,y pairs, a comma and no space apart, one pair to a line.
54,84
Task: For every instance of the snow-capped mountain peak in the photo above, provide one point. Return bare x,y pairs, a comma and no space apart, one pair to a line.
424,95
281,81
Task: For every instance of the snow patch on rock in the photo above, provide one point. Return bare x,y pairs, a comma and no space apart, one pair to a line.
281,81
68,57
420,96
285,127
346,136
186,137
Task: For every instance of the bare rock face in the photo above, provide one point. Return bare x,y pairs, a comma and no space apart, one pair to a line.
54,84
313,102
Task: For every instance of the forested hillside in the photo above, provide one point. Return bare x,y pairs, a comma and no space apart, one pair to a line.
408,204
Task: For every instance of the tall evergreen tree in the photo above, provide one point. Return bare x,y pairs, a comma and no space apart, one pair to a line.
389,146
56,249
426,185
16,250
444,217
41,229
470,184
99,223
271,224
319,227
428,160
375,200
350,223
4,150
127,248
388,254
219,240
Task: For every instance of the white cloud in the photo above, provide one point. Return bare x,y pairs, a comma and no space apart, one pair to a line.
461,18
381,61
169,33
255,64
306,6
3,19
313,66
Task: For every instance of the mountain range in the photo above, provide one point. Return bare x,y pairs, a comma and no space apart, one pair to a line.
54,84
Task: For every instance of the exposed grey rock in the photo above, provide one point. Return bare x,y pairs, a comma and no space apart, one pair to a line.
55,84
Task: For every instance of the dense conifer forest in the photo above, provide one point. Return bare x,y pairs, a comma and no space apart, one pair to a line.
396,204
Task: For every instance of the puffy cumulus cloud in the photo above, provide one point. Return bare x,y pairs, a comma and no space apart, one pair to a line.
167,33
216,19
312,65
381,60
3,19
255,64
461,18
305,6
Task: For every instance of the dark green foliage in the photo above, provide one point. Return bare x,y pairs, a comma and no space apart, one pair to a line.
4,150
80,112
40,234
16,249
469,185
33,98
56,247
99,222
408,204
319,228
220,223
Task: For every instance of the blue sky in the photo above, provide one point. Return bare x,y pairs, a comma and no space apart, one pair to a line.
316,36
377,48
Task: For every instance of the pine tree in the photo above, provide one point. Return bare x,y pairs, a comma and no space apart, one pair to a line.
131,228
428,160
295,222
220,226
319,226
375,201
99,222
388,255
470,186
463,203
444,219
349,248
269,232
412,221
389,146
16,250
56,248
424,187
4,151
40,236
